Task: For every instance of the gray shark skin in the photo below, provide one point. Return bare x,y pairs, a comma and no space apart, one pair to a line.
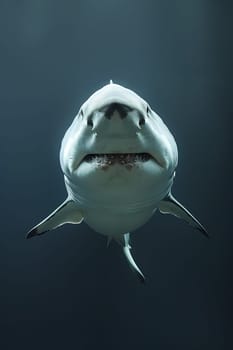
119,161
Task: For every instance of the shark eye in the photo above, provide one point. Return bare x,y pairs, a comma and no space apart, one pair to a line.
89,121
81,113
147,109
141,120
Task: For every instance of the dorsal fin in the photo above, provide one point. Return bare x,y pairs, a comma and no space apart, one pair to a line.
110,82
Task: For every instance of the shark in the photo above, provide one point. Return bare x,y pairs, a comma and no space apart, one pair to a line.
119,161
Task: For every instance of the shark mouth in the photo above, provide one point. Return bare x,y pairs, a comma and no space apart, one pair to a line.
107,159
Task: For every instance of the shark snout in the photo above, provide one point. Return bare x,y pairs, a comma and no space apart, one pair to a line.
116,114
122,110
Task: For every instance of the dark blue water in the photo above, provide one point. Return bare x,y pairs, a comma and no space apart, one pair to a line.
66,290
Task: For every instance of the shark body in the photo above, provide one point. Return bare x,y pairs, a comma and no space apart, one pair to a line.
119,161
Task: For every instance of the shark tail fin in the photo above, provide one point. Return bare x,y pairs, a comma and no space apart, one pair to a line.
124,241
169,205
109,239
67,212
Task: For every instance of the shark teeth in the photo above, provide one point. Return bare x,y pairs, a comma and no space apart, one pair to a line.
122,158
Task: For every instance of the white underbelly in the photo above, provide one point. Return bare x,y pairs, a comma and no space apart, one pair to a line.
117,210
109,222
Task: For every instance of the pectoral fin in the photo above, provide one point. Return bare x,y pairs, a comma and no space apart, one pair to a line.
169,205
67,212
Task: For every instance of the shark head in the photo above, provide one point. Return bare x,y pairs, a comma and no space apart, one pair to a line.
118,148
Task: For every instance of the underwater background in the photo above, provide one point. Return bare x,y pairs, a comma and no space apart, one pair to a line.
66,290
